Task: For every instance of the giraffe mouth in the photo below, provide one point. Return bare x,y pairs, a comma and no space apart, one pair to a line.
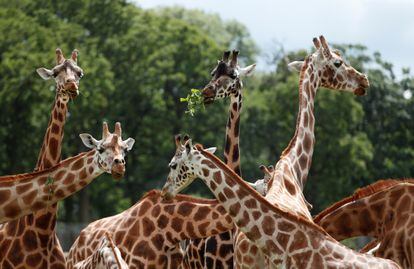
208,100
117,175
71,89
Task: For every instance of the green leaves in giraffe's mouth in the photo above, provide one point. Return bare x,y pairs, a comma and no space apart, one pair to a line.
194,101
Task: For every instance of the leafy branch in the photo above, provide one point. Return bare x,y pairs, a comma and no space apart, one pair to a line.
194,101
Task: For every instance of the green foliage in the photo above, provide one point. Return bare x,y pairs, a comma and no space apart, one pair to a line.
194,101
138,64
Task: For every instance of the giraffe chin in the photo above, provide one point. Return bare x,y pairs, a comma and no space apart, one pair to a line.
117,175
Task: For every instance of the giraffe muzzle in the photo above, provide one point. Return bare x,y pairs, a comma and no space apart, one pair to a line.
118,171
166,195
208,95
72,89
363,86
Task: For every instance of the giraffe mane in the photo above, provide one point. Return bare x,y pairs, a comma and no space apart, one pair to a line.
179,198
363,192
45,172
301,78
258,197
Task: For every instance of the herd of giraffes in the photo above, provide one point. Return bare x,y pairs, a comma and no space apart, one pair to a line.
265,224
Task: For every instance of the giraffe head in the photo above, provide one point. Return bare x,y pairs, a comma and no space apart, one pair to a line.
261,185
226,78
111,150
334,73
182,168
66,73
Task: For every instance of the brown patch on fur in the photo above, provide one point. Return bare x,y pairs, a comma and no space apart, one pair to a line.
28,198
77,165
55,128
4,196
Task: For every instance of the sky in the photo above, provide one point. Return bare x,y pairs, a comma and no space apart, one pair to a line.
386,26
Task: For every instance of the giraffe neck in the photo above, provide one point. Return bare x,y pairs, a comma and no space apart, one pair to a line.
373,215
283,237
232,144
50,155
50,152
25,193
182,218
300,149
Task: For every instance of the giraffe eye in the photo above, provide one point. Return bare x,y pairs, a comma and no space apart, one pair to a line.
101,150
337,63
173,166
233,75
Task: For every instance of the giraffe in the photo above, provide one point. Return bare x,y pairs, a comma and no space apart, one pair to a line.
107,256
67,75
226,82
326,68
149,233
287,239
382,210
26,193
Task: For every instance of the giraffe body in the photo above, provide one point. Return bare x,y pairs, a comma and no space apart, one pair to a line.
149,233
383,210
287,239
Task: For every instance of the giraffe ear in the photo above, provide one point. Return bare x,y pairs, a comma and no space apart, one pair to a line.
188,145
129,142
211,150
44,73
295,66
247,71
89,141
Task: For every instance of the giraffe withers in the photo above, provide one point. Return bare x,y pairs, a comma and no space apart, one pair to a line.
382,210
23,194
324,68
67,75
287,239
107,256
226,82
